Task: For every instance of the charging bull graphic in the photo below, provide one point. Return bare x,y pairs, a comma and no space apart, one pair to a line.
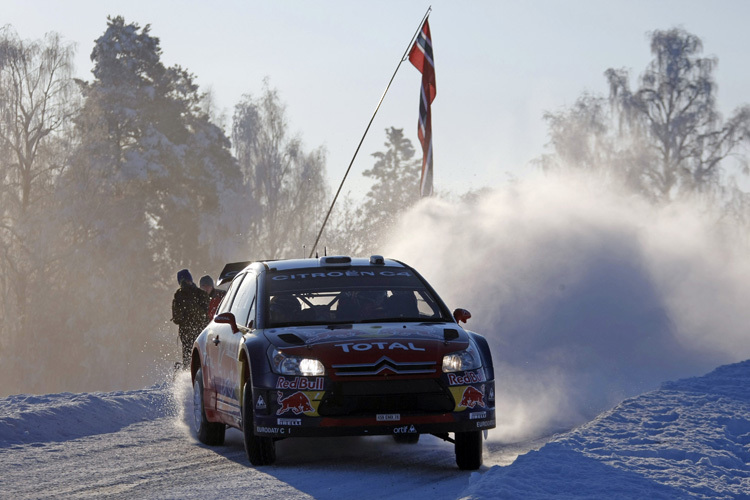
297,403
473,397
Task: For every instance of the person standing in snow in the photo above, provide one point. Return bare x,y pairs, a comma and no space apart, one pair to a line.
189,310
215,294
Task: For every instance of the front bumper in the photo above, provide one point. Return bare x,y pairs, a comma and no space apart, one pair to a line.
304,407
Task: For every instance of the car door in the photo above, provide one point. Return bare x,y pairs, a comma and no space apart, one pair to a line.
216,343
229,343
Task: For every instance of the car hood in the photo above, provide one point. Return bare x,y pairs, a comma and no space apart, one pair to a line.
378,346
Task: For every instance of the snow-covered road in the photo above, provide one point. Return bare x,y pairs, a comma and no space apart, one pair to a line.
83,452
689,439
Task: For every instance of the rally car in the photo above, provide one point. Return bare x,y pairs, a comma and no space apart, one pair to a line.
340,346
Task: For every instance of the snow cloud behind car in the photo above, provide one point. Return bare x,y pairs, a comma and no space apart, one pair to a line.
585,296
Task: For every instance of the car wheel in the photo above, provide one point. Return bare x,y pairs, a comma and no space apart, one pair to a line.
412,438
209,433
468,450
260,450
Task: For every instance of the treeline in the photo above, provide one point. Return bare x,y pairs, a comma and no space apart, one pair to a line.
664,140
109,186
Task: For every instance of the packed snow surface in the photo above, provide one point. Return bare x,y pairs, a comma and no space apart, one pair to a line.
689,439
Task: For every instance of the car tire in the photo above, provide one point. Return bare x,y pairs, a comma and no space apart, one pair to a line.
468,450
412,438
260,450
209,433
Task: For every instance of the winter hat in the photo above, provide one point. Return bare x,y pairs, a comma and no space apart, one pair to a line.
184,275
207,281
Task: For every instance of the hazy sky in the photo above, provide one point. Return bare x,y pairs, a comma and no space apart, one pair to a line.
500,64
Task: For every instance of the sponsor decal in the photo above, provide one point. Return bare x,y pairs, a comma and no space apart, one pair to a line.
330,335
303,383
269,430
485,423
387,417
405,429
289,421
339,274
477,415
491,396
260,404
296,403
466,378
473,397
225,390
325,336
382,346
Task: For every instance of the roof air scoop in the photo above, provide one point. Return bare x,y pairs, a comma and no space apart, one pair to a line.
336,260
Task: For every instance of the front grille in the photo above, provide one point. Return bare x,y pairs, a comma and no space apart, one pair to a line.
392,396
386,364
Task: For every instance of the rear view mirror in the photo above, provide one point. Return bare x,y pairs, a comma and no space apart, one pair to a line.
227,319
461,315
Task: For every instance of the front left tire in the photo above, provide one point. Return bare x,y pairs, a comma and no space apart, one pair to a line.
209,433
260,450
468,447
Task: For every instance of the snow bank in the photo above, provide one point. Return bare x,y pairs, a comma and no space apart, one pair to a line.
690,439
59,417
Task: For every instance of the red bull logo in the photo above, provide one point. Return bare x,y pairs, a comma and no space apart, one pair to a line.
296,403
306,384
467,378
473,397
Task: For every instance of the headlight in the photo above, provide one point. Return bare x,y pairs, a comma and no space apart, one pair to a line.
294,365
462,360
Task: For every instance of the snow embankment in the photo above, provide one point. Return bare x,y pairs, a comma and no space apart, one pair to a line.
689,439
28,418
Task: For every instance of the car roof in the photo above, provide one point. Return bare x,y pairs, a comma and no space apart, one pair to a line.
331,261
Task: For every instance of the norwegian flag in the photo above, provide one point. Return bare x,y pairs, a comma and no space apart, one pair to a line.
421,57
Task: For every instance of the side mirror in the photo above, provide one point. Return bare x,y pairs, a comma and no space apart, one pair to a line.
461,315
227,319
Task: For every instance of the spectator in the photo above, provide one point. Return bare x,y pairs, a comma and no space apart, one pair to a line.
189,309
215,295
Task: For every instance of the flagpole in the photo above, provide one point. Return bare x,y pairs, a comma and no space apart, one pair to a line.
403,58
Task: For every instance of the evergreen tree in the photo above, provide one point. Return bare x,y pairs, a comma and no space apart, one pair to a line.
396,187
159,180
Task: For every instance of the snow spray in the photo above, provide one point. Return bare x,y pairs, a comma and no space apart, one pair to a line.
585,296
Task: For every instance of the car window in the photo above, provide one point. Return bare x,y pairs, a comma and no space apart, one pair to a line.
229,299
354,295
244,300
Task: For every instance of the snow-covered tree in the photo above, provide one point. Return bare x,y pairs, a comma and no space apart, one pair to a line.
396,174
37,100
151,189
396,187
666,138
286,184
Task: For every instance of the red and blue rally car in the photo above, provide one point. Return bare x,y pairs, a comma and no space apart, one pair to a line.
340,346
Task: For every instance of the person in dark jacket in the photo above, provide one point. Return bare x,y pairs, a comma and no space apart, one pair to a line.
214,294
189,310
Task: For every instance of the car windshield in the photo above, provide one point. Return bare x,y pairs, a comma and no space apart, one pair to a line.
352,295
